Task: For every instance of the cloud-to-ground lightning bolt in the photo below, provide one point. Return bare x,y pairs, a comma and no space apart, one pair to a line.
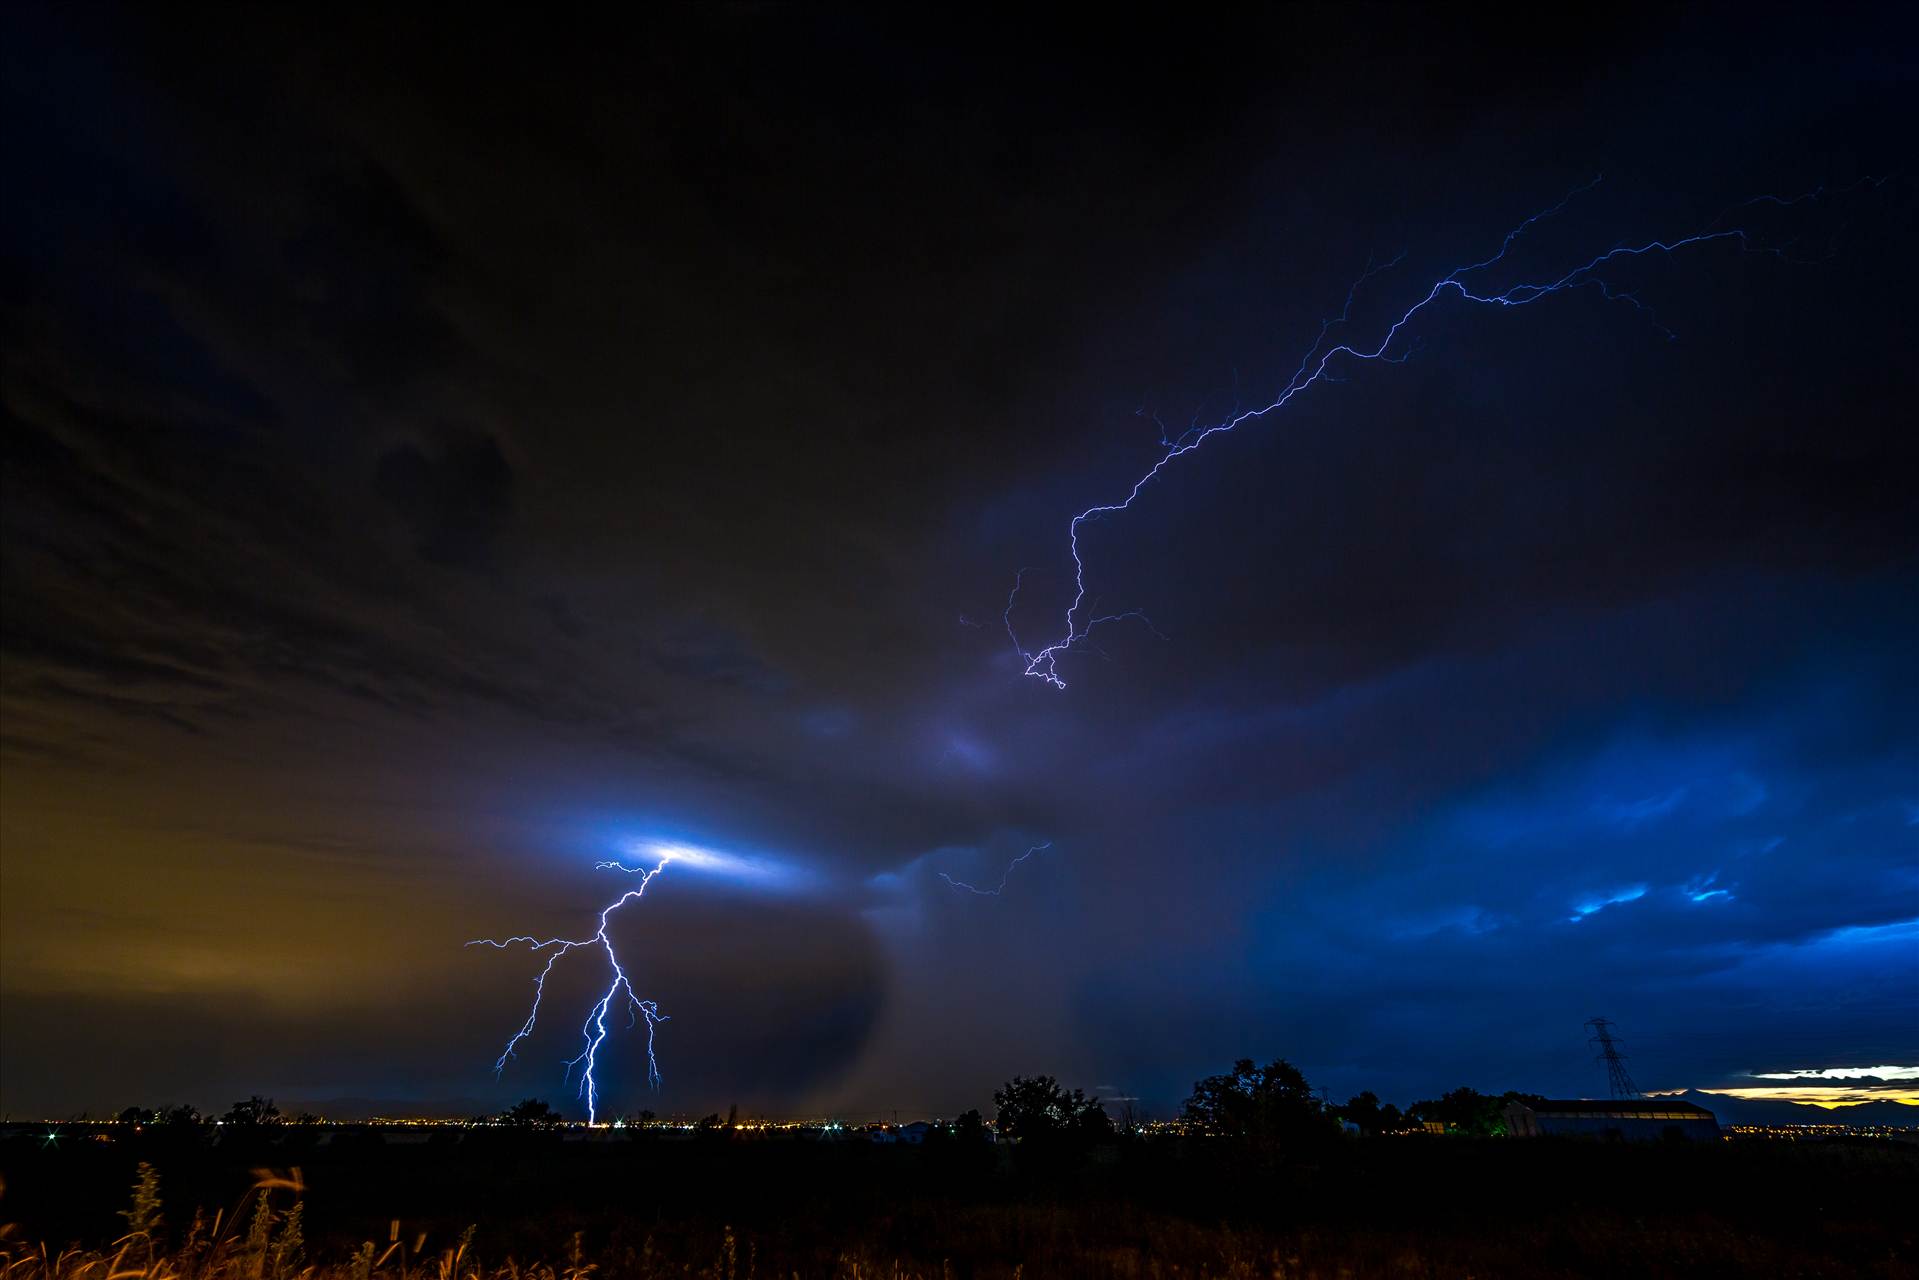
996,890
594,1030
1043,663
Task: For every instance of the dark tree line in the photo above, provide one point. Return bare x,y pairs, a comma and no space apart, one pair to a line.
1270,1106
1274,1104
248,1113
1038,1110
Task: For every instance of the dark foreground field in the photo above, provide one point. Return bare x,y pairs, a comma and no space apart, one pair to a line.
540,1207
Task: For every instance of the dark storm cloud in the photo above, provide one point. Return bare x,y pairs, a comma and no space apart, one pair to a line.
437,460
456,501
367,261
180,592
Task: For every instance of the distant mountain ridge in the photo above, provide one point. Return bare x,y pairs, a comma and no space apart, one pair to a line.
1763,1111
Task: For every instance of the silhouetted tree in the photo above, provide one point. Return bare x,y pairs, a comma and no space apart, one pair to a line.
708,1126
1270,1105
1372,1116
1090,1121
637,1120
183,1116
137,1115
531,1113
251,1113
1039,1108
970,1127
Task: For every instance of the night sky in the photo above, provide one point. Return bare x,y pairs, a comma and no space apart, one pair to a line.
440,457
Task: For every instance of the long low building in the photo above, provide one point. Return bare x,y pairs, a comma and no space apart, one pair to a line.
1618,1119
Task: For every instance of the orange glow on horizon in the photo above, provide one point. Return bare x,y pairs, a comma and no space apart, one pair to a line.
1828,1099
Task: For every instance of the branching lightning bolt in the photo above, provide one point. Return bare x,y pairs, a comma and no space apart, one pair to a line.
594,1030
1314,366
996,890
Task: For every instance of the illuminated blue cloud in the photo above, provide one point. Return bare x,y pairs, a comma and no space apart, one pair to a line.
1631,893
755,872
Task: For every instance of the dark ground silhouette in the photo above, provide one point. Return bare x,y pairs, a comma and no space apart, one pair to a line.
1083,1205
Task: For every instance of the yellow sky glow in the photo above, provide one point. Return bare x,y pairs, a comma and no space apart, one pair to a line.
1829,1098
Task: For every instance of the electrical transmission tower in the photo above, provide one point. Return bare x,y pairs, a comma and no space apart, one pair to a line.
1617,1081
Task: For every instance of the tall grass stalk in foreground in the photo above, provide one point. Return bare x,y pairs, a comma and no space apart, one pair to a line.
262,1237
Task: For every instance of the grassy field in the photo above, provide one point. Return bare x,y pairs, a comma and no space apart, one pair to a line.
492,1207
